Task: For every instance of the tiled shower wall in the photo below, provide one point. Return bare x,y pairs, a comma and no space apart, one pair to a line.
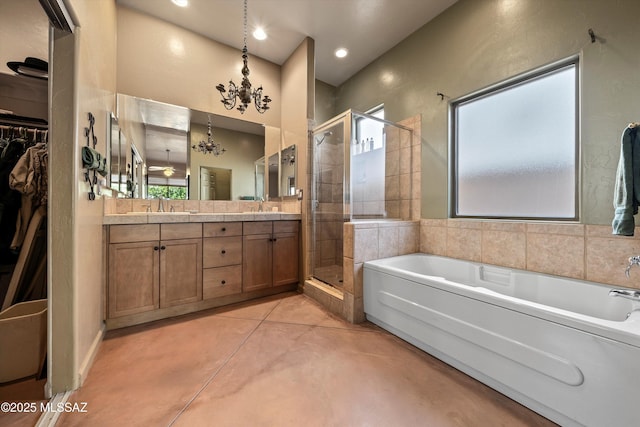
586,252
402,170
330,165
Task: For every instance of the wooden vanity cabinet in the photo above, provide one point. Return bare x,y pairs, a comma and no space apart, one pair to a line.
153,266
270,254
156,271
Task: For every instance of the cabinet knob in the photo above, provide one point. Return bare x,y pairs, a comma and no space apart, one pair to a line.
224,228
163,247
155,248
223,252
224,282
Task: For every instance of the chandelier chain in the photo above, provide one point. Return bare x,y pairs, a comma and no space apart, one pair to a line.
245,24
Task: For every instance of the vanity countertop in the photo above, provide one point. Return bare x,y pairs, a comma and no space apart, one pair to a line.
174,217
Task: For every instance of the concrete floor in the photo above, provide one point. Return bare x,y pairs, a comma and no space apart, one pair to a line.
279,361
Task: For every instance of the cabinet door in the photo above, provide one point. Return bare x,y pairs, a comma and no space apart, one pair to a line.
285,259
180,271
133,278
257,256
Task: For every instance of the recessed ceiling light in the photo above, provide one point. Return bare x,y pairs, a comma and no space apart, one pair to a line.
341,52
181,3
259,34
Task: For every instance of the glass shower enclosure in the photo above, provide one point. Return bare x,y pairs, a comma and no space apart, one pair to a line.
356,176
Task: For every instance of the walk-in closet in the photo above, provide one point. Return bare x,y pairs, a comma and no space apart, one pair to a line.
24,174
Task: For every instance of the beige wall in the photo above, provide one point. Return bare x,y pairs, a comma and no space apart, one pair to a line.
160,61
24,31
476,43
298,98
83,81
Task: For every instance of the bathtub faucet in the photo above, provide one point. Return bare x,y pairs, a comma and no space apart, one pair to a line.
634,260
624,293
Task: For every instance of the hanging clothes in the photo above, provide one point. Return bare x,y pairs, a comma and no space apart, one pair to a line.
10,200
30,178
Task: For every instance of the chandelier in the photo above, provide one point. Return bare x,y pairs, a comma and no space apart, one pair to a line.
208,146
244,94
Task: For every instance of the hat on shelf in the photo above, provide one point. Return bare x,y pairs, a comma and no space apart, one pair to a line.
31,67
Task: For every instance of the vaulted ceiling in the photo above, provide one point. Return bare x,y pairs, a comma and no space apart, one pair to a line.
367,28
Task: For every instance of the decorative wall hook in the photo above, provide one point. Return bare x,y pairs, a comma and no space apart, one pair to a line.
92,160
441,95
592,35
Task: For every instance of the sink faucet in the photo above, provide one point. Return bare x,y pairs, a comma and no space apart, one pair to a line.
634,260
160,205
260,208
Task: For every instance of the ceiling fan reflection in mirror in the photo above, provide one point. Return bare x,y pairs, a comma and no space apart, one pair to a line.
167,170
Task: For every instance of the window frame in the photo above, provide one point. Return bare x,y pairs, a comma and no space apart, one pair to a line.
519,80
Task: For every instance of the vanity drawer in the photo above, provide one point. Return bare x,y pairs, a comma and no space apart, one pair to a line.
221,229
221,251
258,227
285,227
134,233
180,231
221,281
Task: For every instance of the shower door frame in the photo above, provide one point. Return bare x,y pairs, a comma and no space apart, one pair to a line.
346,119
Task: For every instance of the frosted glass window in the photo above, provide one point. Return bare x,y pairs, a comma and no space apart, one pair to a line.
515,149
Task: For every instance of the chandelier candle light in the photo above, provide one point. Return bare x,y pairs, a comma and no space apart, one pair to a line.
208,146
244,93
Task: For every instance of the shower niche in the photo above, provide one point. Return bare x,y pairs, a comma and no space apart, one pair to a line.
361,171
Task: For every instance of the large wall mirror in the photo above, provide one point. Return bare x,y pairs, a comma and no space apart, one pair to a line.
164,135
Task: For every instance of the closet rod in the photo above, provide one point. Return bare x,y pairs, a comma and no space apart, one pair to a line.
32,122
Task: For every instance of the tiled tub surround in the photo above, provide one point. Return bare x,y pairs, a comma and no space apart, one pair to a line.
587,252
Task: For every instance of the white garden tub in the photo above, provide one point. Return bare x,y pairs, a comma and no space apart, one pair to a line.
562,347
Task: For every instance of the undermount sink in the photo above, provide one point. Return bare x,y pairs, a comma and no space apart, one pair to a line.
261,213
157,213
167,213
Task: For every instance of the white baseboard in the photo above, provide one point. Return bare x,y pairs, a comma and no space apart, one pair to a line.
91,355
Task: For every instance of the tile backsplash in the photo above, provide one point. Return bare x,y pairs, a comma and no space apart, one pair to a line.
122,206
